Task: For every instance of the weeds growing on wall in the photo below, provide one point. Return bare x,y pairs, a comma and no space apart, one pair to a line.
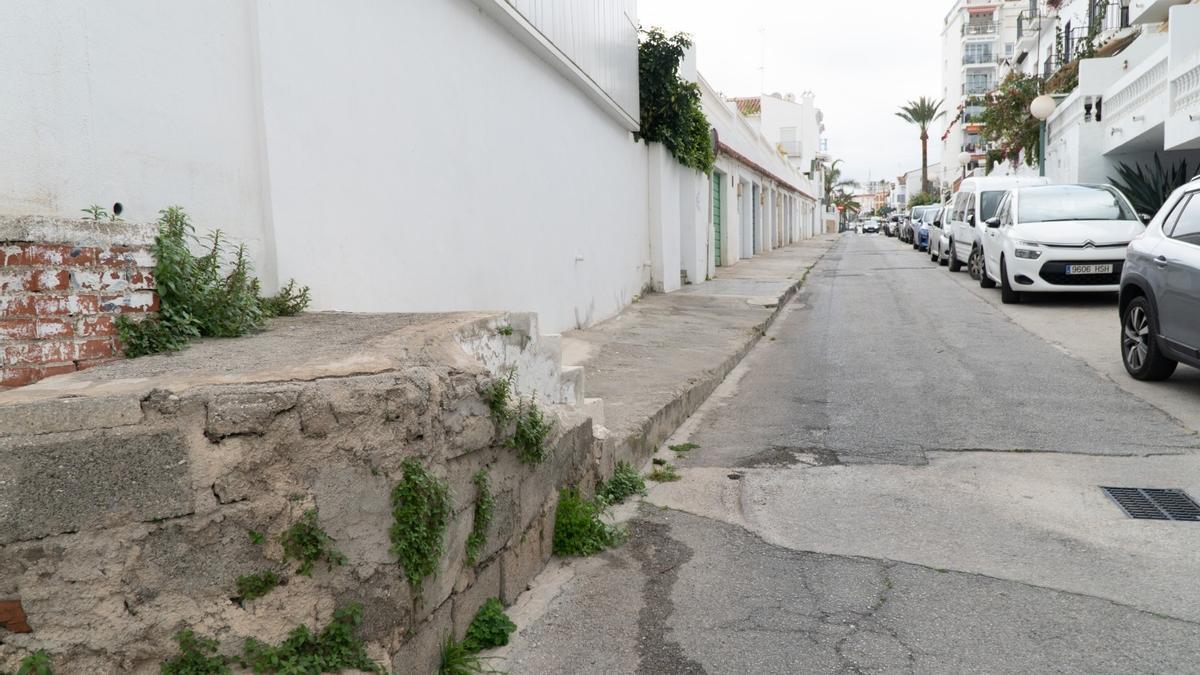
1006,119
578,528
37,663
332,650
490,627
484,503
214,294
197,656
670,106
625,483
307,543
530,428
421,512
458,660
254,586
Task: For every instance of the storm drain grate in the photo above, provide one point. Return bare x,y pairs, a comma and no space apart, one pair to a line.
1154,504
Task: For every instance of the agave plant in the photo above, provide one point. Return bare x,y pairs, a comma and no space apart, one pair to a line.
1149,187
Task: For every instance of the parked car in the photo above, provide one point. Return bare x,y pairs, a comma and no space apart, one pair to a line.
974,203
891,226
921,228
871,227
1059,238
938,239
911,224
1160,290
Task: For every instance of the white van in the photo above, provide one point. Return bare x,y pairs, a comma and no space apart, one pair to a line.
975,202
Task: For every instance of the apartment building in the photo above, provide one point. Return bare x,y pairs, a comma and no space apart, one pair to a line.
978,36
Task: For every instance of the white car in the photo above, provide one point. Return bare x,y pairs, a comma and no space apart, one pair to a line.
1058,238
975,202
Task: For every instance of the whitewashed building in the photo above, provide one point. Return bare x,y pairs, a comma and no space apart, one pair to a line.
413,156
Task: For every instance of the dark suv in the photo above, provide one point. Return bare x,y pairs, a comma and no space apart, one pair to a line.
1160,290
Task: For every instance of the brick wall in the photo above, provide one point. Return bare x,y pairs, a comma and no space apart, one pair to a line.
62,285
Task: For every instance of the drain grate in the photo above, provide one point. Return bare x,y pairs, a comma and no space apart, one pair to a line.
1154,504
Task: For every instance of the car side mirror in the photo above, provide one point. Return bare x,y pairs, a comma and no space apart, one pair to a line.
993,222
971,219
1145,218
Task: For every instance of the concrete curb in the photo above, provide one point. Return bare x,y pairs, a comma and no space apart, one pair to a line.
658,426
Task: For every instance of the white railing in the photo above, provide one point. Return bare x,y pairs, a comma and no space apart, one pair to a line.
1185,88
1129,94
1068,114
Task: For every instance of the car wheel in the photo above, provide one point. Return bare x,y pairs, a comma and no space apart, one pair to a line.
1007,295
1139,344
952,256
933,256
984,280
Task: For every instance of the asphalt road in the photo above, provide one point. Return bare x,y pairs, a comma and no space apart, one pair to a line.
903,477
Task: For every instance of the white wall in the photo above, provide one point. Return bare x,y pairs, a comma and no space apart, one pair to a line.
403,156
123,102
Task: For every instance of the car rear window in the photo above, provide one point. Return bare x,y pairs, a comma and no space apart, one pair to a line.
1057,203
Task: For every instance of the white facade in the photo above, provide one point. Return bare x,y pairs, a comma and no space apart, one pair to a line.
347,143
1142,101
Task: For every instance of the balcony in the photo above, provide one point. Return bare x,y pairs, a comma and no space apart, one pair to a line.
979,29
1151,11
1182,130
1135,106
986,58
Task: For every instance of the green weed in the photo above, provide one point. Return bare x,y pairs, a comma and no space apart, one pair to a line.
484,503
683,447
578,529
254,586
490,627
458,660
197,656
625,483
421,512
308,543
664,474
334,649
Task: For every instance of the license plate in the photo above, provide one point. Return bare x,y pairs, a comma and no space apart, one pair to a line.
1089,269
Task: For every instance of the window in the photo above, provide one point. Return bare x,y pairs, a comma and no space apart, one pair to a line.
1187,224
989,202
969,209
1058,203
1009,48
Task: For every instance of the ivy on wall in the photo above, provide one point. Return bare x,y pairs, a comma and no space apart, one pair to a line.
670,106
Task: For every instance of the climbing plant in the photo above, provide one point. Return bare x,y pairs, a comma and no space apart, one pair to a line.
670,106
484,502
1007,122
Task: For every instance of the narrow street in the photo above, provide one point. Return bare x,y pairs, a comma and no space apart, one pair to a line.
902,477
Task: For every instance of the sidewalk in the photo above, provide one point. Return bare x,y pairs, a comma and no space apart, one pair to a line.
656,362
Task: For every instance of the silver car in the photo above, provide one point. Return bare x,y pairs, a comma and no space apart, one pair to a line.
939,236
1160,290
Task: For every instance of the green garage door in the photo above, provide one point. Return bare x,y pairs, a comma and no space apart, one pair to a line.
716,209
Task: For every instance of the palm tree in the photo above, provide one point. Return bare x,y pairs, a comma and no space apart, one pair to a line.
833,180
846,201
922,112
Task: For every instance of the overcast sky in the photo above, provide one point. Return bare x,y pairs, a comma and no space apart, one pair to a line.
862,58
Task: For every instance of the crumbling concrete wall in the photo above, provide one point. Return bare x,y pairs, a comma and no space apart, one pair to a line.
124,519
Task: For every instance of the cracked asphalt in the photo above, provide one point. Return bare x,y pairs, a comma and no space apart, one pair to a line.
901,477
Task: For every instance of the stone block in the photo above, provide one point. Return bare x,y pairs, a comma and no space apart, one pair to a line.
91,480
522,561
356,510
439,586
249,412
504,520
69,414
468,602
423,652
316,414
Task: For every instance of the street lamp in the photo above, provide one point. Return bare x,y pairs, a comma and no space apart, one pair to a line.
1042,108
964,158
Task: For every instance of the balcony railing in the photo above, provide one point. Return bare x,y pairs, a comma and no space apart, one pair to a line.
977,59
976,89
1185,89
970,29
1138,90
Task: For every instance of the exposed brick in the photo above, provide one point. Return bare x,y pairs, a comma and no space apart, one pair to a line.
17,305
63,305
142,281
12,617
52,369
37,353
141,301
16,281
90,350
55,328
51,280
60,254
97,326
18,329
13,254
19,376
